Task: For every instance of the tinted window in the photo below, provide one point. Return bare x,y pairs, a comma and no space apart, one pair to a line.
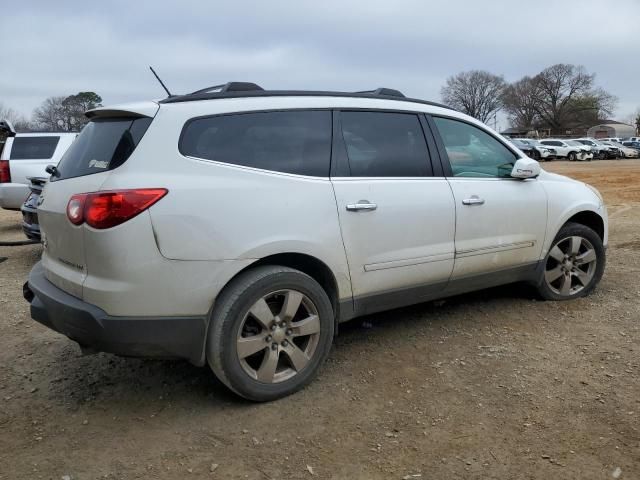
381,144
291,142
33,148
472,152
103,144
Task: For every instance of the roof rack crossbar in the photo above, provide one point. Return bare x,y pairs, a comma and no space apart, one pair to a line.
230,87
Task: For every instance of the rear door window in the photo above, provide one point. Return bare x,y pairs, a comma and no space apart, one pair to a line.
385,144
103,144
296,141
33,148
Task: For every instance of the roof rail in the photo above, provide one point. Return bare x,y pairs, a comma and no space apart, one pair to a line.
229,87
249,90
389,92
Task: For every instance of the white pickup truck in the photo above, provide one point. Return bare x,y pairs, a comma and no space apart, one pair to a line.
27,155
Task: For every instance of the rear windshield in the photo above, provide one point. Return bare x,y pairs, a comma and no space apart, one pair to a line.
103,144
33,148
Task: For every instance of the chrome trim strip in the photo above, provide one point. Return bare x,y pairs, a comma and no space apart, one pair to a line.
495,248
408,262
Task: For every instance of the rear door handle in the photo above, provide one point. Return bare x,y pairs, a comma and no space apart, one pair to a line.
474,200
361,205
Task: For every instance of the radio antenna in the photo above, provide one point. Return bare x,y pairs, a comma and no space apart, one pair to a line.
161,82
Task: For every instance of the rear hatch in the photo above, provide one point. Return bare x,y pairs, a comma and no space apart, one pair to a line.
104,144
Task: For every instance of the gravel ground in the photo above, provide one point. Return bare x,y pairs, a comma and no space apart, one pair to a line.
489,385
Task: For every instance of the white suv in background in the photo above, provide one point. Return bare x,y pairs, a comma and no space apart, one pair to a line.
238,227
569,149
27,155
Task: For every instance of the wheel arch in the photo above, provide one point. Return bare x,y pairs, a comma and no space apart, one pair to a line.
590,219
316,269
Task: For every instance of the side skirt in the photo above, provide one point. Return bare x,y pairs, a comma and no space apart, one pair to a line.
388,300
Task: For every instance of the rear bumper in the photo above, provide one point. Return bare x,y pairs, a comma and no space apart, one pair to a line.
12,195
93,328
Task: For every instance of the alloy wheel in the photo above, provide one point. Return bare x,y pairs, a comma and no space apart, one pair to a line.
571,265
278,336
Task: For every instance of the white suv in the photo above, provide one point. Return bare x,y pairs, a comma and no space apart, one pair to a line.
27,155
569,149
237,226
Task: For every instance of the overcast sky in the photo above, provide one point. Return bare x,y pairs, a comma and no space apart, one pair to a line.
62,47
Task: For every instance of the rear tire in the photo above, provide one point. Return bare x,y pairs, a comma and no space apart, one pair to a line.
271,329
574,264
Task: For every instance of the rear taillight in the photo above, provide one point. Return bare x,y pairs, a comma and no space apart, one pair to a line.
107,209
5,173
75,208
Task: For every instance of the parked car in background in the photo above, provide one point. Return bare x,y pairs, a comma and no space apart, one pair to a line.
625,152
590,154
600,150
525,148
296,186
570,151
611,139
29,209
541,152
632,144
631,139
27,155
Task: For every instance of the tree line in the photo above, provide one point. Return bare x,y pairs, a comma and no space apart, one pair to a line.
56,114
561,97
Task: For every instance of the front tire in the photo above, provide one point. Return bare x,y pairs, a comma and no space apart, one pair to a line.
271,329
574,265
572,156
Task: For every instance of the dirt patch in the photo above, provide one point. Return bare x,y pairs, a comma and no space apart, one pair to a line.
489,385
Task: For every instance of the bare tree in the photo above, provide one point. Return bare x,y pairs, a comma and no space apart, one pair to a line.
566,96
49,115
477,93
66,113
520,101
17,119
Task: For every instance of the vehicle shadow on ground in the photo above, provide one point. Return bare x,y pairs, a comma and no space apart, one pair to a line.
134,385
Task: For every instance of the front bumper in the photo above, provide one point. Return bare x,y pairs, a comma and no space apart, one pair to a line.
12,195
93,329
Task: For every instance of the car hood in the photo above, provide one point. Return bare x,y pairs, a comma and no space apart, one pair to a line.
555,177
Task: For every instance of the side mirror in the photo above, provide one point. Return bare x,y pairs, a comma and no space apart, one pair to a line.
525,168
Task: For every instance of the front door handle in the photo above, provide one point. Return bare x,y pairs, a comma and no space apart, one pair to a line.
474,200
361,205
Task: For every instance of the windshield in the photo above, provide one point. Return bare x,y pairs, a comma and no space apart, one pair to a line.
575,143
103,144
